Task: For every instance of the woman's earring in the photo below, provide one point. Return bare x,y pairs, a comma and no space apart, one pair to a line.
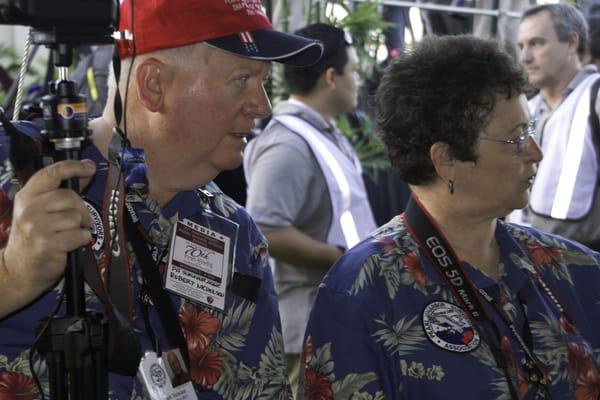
451,186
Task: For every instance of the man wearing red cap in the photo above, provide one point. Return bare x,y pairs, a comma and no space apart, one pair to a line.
192,83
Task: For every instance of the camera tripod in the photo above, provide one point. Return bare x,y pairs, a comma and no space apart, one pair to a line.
74,345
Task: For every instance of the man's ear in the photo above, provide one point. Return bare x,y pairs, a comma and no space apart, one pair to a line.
574,43
328,78
443,160
150,76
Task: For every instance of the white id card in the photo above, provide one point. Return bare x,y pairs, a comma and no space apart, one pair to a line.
201,260
157,382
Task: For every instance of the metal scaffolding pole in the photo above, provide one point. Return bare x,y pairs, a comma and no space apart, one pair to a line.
453,9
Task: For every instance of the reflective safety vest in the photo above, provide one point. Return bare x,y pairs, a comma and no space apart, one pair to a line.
352,217
566,179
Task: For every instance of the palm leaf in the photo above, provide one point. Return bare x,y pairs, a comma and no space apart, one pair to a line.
403,338
351,383
391,273
365,276
322,361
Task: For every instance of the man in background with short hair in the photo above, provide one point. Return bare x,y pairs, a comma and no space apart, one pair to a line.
305,188
564,197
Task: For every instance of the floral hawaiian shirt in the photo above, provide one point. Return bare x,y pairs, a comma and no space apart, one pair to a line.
384,324
238,356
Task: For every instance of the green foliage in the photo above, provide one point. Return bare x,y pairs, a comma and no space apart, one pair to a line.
368,147
9,58
365,25
11,62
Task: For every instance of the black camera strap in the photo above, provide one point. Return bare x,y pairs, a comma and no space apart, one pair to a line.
116,218
120,336
119,275
430,239
153,284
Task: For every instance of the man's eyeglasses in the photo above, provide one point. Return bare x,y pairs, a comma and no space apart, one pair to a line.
520,141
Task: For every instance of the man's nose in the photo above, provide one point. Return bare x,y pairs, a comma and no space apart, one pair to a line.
525,56
258,106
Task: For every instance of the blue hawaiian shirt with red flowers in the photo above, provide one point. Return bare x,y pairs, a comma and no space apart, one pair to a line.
385,325
237,356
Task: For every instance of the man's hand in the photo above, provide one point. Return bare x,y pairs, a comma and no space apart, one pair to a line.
47,223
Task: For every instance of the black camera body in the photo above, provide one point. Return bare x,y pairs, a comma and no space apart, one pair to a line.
70,22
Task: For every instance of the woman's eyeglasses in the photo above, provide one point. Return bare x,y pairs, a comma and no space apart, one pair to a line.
520,141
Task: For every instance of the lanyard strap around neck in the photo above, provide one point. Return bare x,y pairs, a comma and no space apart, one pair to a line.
119,278
118,218
421,227
153,283
440,253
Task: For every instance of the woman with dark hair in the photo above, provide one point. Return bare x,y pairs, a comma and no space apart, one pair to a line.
447,301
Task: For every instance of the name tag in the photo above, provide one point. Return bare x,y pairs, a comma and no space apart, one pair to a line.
200,262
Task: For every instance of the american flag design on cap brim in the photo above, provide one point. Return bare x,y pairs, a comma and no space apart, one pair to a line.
248,42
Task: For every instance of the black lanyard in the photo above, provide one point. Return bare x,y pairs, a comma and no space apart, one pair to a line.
119,274
434,244
153,288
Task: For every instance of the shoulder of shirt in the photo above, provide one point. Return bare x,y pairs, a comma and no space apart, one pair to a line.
528,234
389,243
225,205
28,128
276,134
302,111
580,77
213,189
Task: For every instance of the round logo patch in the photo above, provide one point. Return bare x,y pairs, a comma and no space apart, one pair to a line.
98,229
158,375
448,327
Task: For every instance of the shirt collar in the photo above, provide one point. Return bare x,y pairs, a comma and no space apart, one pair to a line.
513,264
307,112
577,79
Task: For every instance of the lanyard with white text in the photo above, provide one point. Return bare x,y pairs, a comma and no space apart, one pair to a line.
421,227
117,268
120,222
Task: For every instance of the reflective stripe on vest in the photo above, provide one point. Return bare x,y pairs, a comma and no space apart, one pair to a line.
566,179
344,210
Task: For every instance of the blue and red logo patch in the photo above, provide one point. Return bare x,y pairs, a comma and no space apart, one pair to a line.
447,326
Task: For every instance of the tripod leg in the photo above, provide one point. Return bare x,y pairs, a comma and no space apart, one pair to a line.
58,384
85,357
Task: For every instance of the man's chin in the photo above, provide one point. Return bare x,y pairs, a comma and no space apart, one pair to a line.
231,164
535,81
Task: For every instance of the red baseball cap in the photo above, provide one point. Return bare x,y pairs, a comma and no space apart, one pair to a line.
236,26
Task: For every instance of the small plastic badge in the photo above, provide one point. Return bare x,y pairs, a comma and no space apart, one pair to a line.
157,382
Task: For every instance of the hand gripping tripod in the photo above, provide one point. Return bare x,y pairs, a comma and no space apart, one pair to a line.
75,344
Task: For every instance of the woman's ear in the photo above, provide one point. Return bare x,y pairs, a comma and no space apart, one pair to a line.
443,160
150,85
